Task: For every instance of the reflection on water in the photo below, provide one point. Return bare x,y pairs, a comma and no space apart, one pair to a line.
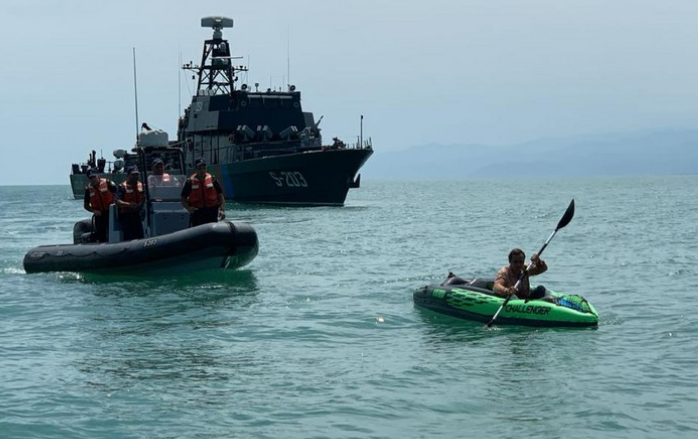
150,331
444,329
144,296
239,280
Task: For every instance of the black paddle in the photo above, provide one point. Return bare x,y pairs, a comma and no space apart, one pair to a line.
566,218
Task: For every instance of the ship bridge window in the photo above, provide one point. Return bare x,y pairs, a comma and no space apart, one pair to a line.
271,100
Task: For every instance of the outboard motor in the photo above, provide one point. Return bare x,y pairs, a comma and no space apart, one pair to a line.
82,232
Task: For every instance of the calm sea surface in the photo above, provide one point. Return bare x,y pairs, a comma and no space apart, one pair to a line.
319,338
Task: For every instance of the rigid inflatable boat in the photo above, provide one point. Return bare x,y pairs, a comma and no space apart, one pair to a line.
169,246
208,246
475,300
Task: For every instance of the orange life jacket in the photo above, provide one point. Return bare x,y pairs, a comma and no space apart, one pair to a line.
101,197
132,195
202,195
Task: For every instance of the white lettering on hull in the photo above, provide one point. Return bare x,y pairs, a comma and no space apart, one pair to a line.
289,179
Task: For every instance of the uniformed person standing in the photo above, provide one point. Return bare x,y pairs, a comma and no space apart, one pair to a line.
130,200
99,195
202,196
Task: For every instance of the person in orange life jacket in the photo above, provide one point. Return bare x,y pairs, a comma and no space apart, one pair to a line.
507,276
130,199
202,196
159,177
99,195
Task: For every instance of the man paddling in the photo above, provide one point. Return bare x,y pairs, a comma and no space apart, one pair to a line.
507,276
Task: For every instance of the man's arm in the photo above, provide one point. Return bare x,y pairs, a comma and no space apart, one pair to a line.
120,198
186,190
86,201
539,266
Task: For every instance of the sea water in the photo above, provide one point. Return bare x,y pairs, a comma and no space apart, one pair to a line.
319,338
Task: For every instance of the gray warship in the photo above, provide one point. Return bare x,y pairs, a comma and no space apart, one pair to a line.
260,143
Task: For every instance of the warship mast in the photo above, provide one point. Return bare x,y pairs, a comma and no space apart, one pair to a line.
216,73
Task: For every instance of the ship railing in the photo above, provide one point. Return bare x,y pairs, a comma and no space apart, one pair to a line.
361,144
81,168
245,151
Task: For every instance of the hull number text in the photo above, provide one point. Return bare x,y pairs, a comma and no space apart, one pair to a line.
288,179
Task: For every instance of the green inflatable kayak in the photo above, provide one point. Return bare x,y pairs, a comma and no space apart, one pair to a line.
474,300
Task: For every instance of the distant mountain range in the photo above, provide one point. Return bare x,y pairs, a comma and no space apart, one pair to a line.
668,152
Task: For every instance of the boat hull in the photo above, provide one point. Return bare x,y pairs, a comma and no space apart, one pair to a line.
208,246
314,178
477,304
309,178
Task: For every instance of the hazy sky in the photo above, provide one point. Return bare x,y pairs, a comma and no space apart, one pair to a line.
467,71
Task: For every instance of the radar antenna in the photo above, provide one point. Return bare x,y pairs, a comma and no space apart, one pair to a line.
216,73
217,24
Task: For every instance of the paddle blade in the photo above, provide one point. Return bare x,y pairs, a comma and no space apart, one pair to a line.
567,217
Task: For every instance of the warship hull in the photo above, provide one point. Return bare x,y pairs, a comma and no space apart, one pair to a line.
307,178
314,178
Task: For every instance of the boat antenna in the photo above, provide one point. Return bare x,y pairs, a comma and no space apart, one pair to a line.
135,88
288,54
361,132
179,85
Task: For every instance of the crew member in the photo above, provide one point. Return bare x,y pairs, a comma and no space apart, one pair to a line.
130,199
202,196
99,195
159,177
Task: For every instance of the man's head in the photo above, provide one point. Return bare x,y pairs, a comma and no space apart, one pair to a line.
133,173
200,165
92,176
517,257
158,167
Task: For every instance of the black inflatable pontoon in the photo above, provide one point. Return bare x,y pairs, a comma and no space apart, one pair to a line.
208,246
